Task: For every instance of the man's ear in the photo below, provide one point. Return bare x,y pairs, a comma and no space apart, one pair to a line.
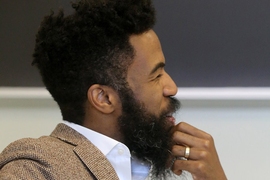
103,98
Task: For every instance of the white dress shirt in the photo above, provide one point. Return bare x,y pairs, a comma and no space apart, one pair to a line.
117,153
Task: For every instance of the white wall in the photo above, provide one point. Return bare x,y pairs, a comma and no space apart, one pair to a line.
239,120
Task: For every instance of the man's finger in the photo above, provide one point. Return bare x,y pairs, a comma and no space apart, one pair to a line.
191,130
181,138
194,153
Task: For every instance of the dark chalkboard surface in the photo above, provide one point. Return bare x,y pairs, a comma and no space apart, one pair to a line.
209,43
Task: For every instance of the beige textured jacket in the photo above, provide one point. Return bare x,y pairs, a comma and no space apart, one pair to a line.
65,154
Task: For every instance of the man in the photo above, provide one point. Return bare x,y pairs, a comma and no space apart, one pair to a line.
104,67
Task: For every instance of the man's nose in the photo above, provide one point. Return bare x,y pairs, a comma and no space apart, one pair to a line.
170,88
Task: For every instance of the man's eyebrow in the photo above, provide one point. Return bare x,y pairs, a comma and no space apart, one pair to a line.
158,66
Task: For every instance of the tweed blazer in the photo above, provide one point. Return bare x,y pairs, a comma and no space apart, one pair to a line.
65,154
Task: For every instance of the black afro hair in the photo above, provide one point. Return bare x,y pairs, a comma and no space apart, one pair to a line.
89,46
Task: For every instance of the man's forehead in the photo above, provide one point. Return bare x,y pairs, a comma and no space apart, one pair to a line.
147,49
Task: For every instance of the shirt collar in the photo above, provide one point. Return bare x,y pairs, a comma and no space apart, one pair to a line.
108,147
104,143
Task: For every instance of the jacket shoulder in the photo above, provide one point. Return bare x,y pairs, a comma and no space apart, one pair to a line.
42,158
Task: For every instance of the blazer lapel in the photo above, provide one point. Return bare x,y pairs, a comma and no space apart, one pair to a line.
89,154
95,161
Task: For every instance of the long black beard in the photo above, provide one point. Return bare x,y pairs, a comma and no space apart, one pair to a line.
145,134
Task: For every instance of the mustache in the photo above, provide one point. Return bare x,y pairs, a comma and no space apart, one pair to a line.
172,107
175,103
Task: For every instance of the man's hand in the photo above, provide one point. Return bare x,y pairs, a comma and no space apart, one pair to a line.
203,162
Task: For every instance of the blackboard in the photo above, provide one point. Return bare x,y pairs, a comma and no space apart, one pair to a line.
209,43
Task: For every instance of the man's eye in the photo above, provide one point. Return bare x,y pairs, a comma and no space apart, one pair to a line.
158,76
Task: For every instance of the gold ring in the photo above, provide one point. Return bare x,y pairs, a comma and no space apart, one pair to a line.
187,152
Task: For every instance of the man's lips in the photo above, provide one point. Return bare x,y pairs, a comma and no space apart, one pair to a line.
170,118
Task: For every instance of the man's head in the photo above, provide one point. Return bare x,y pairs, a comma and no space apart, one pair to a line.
104,66
90,46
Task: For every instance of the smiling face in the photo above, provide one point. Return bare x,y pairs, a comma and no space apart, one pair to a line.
146,77
147,105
